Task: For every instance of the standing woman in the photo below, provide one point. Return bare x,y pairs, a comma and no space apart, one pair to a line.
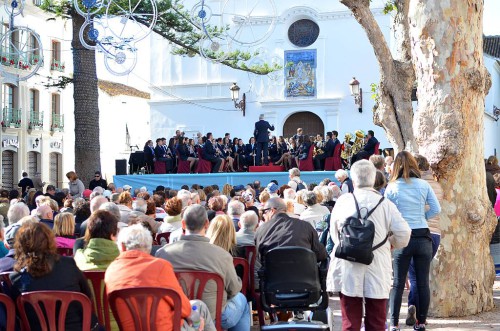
76,186
411,195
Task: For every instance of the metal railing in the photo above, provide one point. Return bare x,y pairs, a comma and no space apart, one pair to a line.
11,117
36,120
57,122
57,65
12,59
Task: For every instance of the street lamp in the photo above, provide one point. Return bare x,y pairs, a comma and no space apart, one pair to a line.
37,141
235,95
357,93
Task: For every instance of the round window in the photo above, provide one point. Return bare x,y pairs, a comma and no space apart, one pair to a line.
303,33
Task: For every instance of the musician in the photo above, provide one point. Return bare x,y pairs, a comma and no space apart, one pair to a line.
149,156
273,150
303,150
163,154
345,154
249,154
285,158
298,135
192,149
326,151
210,153
262,137
224,151
185,155
367,150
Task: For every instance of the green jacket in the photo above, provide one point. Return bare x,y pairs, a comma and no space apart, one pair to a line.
98,254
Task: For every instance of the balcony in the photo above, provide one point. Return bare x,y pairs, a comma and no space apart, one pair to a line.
36,120
11,118
38,3
57,65
57,122
12,60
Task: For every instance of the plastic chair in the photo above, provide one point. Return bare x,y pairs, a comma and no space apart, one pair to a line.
242,264
193,283
307,164
55,306
160,167
64,251
204,166
334,162
183,166
160,236
143,303
250,256
10,312
100,305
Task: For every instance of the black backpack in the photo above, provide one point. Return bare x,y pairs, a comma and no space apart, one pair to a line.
356,238
300,186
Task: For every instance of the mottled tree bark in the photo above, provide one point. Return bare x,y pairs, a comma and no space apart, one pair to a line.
85,94
394,111
452,84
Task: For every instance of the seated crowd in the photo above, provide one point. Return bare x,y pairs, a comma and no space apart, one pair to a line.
144,239
237,154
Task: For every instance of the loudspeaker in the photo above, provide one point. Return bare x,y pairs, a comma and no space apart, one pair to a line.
121,167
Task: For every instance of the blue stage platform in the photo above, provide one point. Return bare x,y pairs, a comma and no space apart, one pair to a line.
175,181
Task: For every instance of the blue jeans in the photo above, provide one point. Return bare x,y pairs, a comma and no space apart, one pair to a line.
420,250
236,315
413,295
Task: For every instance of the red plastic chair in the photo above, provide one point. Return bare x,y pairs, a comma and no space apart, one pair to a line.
5,279
10,311
164,235
183,166
204,166
250,256
160,167
53,302
193,283
100,305
142,304
242,263
377,150
64,251
334,162
307,164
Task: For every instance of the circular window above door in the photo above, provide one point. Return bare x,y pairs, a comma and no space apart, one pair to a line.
303,33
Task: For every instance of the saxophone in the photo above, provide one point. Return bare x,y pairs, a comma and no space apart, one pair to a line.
318,145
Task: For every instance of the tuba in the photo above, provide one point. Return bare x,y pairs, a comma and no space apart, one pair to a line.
359,142
346,147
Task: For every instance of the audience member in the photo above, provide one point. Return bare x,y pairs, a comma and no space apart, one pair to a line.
235,209
248,224
64,230
314,212
221,233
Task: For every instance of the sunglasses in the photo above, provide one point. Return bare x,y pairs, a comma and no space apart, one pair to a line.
97,176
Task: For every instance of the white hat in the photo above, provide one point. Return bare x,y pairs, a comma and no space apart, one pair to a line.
127,187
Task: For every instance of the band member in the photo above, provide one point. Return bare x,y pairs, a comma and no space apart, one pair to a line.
210,153
163,154
262,138
185,155
326,151
367,150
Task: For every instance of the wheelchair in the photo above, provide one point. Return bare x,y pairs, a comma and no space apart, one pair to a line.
291,280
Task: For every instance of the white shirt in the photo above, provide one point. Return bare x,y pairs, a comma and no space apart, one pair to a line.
314,214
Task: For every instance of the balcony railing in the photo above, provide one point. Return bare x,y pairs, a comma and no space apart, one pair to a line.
57,122
10,59
37,2
36,120
11,118
57,65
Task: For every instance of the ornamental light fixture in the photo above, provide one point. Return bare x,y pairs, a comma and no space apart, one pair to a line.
357,93
37,142
235,96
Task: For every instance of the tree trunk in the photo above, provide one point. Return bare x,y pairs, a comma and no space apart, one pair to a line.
447,51
85,94
394,111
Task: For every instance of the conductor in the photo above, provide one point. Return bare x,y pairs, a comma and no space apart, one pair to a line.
262,138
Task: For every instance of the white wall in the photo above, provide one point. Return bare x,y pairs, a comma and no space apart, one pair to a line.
492,127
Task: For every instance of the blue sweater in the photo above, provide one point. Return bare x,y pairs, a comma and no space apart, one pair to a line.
411,198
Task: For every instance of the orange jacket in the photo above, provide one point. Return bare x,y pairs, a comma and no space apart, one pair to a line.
136,269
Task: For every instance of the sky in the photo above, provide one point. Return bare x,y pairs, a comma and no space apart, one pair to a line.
491,22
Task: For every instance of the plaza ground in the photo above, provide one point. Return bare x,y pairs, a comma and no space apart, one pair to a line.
489,321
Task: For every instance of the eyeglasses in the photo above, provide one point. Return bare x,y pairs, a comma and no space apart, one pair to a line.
97,176
264,211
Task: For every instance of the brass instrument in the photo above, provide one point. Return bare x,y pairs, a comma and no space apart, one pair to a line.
346,147
318,145
359,142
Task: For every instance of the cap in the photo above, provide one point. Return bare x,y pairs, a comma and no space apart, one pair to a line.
272,187
87,193
143,189
239,188
127,187
106,193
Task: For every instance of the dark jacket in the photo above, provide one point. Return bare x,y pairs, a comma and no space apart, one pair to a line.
101,182
209,151
65,276
370,145
329,147
182,152
149,154
260,132
283,230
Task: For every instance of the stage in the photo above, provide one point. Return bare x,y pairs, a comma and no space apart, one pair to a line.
175,181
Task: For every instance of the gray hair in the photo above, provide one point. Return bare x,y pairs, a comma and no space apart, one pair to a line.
310,198
235,208
140,205
78,202
98,189
378,161
134,216
249,220
289,193
261,116
363,174
1,223
94,194
112,208
185,196
114,197
17,211
341,174
294,172
327,193
96,203
195,217
135,237
276,203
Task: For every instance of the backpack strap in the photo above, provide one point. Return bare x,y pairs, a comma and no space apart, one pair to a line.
387,236
371,211
357,206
